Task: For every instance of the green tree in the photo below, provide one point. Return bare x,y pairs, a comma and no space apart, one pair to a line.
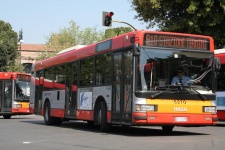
69,37
205,17
73,35
109,33
8,47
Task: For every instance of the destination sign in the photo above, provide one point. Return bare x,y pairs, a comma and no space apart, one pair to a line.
23,77
178,42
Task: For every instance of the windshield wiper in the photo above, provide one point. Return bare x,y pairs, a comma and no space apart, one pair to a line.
168,88
158,94
198,93
177,87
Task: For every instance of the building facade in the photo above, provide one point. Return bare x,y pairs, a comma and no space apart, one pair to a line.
28,54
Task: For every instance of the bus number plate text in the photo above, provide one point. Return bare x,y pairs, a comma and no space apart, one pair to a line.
181,119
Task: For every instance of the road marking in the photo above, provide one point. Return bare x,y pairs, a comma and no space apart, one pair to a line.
26,142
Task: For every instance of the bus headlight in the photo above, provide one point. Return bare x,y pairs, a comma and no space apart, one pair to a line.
211,109
146,107
18,105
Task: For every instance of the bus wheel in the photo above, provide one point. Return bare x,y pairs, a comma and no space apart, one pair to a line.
104,125
7,116
167,129
48,119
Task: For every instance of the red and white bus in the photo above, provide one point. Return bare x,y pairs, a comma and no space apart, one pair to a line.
220,84
14,94
107,83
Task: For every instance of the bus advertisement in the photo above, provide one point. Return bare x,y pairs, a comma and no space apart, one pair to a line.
220,85
15,92
127,80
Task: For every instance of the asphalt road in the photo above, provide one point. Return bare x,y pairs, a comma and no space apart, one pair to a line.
30,133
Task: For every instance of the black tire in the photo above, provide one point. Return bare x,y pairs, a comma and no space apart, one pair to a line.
167,129
104,125
7,116
48,119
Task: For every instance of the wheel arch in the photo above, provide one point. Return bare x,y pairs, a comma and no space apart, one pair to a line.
97,106
44,105
46,101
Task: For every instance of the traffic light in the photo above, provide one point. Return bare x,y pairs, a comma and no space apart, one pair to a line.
107,18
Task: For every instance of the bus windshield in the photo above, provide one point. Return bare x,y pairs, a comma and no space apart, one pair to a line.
22,90
157,69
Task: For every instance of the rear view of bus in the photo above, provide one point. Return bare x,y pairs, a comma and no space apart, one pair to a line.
14,94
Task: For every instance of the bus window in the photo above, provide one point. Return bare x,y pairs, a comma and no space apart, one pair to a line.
8,94
86,71
103,69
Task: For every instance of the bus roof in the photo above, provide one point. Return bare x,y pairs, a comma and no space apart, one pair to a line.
11,75
219,51
117,42
71,48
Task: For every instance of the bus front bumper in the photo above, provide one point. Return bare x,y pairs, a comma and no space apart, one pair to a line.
174,119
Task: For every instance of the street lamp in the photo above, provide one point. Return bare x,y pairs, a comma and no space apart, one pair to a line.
20,41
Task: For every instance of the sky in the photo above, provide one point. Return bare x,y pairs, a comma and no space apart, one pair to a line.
40,18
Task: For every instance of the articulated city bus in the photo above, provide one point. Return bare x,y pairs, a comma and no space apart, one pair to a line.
14,94
126,80
220,84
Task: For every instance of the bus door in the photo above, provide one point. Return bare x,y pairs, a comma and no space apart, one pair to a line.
122,88
6,96
39,80
71,90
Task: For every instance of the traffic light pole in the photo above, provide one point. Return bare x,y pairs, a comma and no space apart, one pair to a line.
125,23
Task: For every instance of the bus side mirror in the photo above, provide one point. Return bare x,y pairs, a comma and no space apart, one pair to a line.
136,48
217,63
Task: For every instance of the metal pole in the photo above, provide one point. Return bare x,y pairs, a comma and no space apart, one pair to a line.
125,23
20,40
20,55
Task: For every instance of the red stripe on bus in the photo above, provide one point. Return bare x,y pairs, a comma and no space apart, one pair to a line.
85,114
22,110
57,112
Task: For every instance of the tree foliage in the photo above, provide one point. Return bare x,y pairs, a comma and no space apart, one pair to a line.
111,32
73,35
205,17
69,37
8,47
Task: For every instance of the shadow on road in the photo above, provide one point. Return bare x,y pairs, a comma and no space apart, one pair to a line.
117,130
221,124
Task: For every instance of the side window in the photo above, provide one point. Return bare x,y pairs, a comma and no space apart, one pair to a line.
103,69
86,71
49,78
75,74
8,94
60,77
38,90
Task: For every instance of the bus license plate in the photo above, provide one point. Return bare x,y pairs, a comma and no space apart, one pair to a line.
180,119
